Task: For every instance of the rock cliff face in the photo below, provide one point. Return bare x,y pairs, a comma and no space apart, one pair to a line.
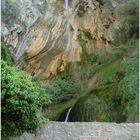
41,47
17,31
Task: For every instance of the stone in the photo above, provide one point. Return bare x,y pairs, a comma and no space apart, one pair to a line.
73,131
42,45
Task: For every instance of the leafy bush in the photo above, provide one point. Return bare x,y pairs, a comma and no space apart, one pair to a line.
10,10
130,26
91,70
5,54
63,88
93,58
113,67
98,61
121,99
124,74
110,73
131,43
131,86
21,101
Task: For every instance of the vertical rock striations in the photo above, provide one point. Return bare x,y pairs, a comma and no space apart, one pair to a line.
41,48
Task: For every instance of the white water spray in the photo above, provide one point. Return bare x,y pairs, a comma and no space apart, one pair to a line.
67,116
69,43
68,25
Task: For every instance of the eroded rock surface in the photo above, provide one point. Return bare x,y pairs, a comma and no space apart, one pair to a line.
41,49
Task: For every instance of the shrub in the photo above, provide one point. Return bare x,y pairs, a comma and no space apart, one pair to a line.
131,87
5,54
130,26
120,99
63,88
21,101
91,70
124,74
93,58
114,65
88,109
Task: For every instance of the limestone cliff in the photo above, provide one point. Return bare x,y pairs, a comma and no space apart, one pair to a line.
40,48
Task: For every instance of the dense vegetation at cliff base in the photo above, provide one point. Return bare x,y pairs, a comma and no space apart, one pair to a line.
21,100
112,98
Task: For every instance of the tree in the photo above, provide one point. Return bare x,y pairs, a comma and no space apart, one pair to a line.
129,27
21,101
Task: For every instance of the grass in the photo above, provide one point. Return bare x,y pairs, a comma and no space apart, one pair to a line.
121,59
115,67
54,111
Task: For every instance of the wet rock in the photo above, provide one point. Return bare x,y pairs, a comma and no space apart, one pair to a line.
89,109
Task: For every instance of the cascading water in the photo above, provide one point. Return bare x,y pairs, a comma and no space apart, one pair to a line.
67,116
68,25
69,44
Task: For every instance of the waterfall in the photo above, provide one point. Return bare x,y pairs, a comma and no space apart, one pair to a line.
67,116
68,25
69,44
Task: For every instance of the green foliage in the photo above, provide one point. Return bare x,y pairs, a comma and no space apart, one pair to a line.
5,54
116,97
130,86
124,74
119,100
109,57
93,58
132,8
101,61
63,88
110,71
91,70
115,100
21,100
131,43
10,10
89,109
130,26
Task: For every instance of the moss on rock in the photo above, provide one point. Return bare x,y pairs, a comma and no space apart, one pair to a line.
88,109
